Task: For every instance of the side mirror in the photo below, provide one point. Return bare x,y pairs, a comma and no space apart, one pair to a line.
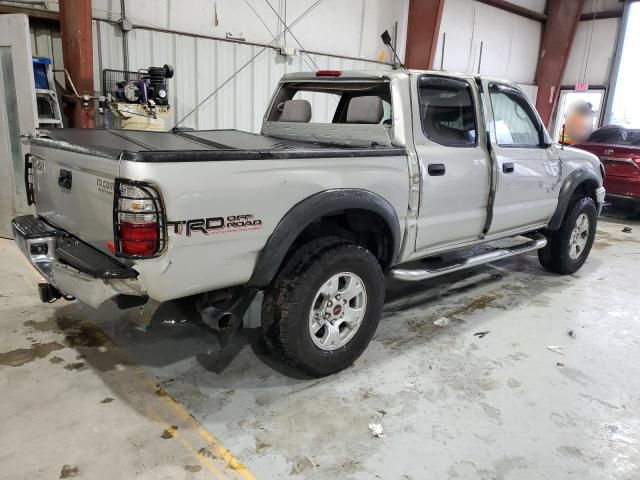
386,38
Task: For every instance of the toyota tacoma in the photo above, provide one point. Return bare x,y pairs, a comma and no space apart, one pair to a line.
353,178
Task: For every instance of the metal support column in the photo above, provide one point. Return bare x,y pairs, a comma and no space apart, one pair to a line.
563,17
422,32
77,49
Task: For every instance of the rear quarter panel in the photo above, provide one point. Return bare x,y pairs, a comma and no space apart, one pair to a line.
264,189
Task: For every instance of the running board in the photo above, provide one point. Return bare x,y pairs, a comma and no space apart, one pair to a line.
537,242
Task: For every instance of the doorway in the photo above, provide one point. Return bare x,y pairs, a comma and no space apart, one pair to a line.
568,96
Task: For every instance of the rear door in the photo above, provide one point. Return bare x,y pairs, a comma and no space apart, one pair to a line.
528,165
454,163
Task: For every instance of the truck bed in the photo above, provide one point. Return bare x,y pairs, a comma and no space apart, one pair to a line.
193,146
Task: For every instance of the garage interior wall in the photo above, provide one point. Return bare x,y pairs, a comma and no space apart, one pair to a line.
594,46
510,42
342,35
46,42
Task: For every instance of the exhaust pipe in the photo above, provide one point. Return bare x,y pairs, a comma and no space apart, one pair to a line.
218,319
49,294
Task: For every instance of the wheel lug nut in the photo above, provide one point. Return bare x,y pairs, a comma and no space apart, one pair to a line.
337,297
329,303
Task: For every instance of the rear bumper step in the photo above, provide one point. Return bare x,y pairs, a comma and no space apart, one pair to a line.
71,267
537,242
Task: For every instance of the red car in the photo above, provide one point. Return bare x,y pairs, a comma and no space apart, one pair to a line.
619,150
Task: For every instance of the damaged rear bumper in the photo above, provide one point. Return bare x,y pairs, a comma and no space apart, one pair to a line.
73,267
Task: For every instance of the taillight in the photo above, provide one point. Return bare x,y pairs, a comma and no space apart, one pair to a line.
138,220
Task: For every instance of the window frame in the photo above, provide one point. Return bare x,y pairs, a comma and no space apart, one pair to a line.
474,104
528,109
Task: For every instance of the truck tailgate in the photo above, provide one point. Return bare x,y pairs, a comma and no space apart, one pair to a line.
74,192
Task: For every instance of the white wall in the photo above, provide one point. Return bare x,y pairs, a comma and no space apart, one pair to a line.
591,6
203,66
510,42
535,5
592,52
335,27
594,46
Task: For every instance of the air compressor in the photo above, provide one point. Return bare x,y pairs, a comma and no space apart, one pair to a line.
143,103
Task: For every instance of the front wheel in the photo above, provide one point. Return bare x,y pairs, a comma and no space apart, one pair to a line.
324,306
568,248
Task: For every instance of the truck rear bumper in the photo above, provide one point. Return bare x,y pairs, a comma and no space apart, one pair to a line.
72,266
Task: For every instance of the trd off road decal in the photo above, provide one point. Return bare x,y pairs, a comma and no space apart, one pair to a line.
231,223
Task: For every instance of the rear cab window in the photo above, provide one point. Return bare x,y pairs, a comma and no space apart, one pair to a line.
332,102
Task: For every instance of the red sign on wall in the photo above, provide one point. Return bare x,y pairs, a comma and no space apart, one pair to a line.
582,87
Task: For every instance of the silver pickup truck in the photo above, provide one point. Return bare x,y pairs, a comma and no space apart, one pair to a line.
354,176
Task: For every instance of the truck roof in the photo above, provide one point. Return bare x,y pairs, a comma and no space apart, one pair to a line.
381,73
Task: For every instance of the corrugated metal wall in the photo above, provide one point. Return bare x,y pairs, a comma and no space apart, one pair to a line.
202,65
45,42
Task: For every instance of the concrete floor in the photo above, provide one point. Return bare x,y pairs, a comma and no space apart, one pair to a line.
453,405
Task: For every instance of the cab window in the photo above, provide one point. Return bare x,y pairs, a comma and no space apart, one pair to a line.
514,121
316,102
447,111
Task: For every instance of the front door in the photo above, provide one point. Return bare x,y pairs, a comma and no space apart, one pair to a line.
454,163
528,165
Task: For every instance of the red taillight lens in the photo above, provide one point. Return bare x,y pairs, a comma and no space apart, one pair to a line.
138,220
138,238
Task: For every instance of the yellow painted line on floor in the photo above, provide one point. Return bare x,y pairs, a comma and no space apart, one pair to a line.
204,461
216,447
213,443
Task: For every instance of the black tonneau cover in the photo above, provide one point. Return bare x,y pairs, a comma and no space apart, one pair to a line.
194,146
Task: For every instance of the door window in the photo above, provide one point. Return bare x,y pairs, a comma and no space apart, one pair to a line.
514,122
447,111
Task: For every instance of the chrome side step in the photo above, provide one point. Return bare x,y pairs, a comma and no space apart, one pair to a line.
537,242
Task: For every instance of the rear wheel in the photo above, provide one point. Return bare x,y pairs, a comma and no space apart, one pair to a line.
324,306
568,247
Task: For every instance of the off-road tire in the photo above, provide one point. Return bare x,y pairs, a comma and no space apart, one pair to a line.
555,256
287,304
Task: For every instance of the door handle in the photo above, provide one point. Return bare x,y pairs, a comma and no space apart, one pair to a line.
436,169
64,179
507,167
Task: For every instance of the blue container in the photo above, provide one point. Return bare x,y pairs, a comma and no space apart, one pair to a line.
40,65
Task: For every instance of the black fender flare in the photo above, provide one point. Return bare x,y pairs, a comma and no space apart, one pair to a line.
309,210
569,186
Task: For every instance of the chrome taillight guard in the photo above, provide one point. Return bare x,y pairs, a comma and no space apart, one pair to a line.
153,194
28,179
